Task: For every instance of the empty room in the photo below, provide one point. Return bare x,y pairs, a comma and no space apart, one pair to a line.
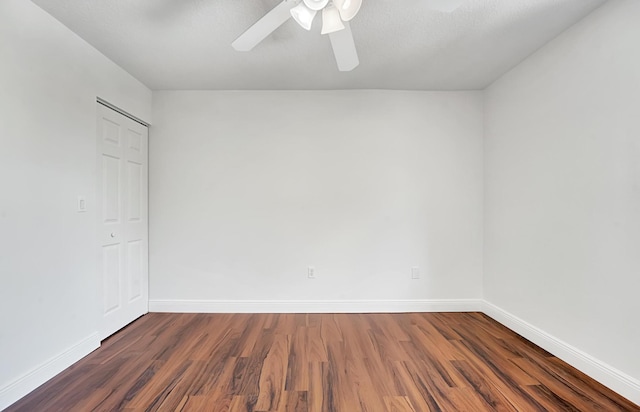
319,205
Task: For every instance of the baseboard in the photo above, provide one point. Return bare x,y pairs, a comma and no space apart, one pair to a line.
315,306
20,387
614,379
610,377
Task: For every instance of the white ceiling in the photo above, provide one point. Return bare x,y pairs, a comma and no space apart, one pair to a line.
402,44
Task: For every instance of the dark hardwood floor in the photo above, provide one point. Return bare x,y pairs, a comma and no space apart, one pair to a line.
343,362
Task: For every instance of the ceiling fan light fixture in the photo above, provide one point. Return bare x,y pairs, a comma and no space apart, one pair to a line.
331,21
316,4
303,15
348,8
338,30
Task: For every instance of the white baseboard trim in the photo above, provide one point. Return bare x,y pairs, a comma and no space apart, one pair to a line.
20,387
616,380
315,306
610,377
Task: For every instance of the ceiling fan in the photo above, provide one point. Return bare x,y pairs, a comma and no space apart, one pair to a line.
336,15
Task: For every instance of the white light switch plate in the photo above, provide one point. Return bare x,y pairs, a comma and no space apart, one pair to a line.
82,204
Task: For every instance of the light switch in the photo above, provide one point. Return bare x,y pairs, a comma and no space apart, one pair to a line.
82,204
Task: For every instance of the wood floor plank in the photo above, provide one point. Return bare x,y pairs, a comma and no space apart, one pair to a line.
298,362
562,370
318,374
329,329
398,404
431,386
442,323
296,401
493,369
418,394
159,387
549,400
320,363
340,383
493,397
238,404
250,385
316,349
273,375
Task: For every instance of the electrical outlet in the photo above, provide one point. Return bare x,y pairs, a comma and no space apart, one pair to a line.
415,272
311,272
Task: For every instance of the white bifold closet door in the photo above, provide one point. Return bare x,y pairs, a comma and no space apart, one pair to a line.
123,219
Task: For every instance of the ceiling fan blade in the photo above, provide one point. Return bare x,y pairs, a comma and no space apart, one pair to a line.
265,26
344,48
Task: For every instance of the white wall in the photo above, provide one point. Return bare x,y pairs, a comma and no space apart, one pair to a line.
249,188
562,191
49,81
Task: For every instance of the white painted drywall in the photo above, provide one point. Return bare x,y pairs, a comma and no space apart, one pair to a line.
49,81
247,189
562,188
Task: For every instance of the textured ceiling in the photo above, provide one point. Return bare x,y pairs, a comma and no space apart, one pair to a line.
402,44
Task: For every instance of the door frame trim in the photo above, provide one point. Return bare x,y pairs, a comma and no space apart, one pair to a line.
122,112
